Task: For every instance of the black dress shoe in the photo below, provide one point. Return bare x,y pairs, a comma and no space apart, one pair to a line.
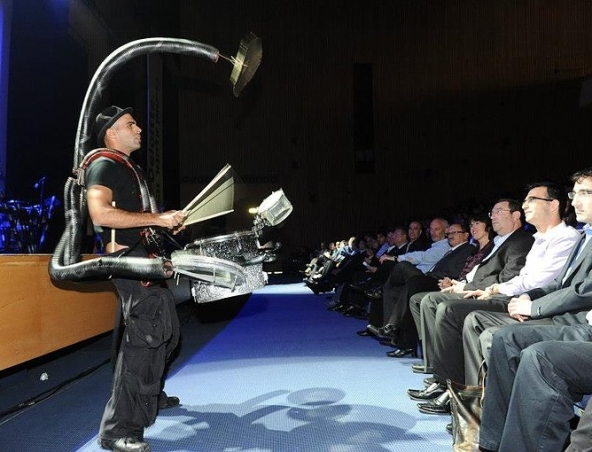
364,333
421,369
428,381
360,286
402,352
351,311
390,331
375,294
335,306
386,330
440,405
449,428
362,314
341,307
169,402
312,285
127,444
431,392
429,408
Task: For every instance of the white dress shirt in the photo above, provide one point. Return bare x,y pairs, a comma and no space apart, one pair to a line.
425,260
544,261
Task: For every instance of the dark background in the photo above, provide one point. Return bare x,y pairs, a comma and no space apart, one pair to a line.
366,113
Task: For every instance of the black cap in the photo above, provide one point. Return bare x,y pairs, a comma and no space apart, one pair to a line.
106,119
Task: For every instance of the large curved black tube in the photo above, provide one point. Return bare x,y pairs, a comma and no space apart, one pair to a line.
116,59
65,264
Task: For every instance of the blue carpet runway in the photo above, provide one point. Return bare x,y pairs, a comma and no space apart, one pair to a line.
287,375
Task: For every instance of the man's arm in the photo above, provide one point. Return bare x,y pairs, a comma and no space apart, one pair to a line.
103,213
575,297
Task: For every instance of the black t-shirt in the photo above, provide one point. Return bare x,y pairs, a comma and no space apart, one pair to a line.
120,179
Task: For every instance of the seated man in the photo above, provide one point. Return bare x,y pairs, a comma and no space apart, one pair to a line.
337,268
535,374
410,264
503,263
559,302
415,242
350,294
450,266
553,241
482,235
375,275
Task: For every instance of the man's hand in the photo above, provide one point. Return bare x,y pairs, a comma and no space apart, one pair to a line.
456,287
478,294
444,283
172,219
386,257
520,307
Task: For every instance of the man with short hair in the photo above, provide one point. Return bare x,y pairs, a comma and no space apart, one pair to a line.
120,206
503,263
410,264
543,206
449,266
564,301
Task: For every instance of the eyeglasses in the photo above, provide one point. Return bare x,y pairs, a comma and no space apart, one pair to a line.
497,212
573,194
452,233
536,198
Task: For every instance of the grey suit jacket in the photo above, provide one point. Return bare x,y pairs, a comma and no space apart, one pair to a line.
506,262
572,296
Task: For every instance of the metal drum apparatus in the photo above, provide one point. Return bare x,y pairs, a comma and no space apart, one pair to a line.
232,264
222,266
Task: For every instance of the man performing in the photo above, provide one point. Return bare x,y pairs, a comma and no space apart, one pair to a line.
120,207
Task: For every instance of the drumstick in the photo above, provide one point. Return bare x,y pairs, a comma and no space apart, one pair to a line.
113,232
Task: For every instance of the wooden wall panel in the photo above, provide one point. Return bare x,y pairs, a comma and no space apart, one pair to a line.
39,316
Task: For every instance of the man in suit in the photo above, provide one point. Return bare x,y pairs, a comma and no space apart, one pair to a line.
398,243
564,301
503,263
407,265
543,206
535,375
397,304
388,261
349,297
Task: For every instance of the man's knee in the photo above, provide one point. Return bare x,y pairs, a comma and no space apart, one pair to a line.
429,301
485,341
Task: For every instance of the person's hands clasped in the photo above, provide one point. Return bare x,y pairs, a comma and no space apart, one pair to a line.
520,307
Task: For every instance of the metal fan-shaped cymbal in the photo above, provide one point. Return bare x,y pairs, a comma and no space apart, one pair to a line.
246,62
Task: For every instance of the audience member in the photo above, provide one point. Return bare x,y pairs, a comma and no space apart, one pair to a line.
482,234
400,322
408,264
554,240
503,263
560,302
535,374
